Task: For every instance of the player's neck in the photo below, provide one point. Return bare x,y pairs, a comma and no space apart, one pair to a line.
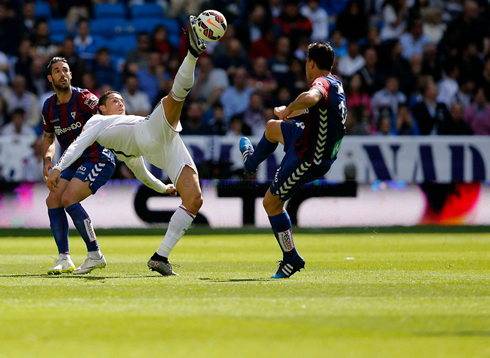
63,97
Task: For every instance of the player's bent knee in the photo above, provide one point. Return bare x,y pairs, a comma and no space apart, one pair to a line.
53,201
194,203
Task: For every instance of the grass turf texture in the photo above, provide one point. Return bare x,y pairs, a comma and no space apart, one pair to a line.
361,295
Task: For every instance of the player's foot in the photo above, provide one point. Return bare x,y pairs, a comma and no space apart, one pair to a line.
162,266
90,264
287,268
195,44
63,265
247,149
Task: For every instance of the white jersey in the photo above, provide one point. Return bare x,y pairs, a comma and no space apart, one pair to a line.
130,138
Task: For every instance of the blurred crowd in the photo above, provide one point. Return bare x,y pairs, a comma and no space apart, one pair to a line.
409,67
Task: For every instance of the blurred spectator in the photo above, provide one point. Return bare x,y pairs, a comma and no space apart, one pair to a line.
404,123
429,113
355,96
275,7
264,46
19,97
137,102
234,58
455,124
354,13
236,98
27,18
396,65
235,130
253,115
4,71
468,28
297,76
10,33
73,10
434,28
484,79
470,64
415,74
354,122
384,126
39,84
318,18
153,78
477,114
353,62
209,84
261,79
89,81
394,19
301,50
217,123
104,70
372,38
279,64
466,88
77,64
192,123
372,77
292,24
23,60
18,128
254,26
338,43
137,59
4,118
43,46
414,40
385,102
160,40
33,164
448,86
85,45
431,63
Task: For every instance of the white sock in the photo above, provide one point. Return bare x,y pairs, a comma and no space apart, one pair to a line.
65,256
178,225
184,79
94,255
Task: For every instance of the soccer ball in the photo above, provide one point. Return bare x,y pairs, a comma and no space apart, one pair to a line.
211,25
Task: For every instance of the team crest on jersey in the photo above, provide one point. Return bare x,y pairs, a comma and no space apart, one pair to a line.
319,84
73,114
91,101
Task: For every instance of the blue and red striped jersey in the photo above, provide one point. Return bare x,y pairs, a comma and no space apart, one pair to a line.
324,123
67,120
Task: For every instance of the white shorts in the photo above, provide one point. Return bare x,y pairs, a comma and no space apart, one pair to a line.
162,146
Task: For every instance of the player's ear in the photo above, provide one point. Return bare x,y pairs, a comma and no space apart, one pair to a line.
102,108
50,79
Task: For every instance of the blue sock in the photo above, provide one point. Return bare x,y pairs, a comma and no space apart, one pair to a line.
59,227
281,225
262,151
84,225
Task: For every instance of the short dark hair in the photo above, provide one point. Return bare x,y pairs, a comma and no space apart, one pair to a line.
19,111
105,96
322,54
53,61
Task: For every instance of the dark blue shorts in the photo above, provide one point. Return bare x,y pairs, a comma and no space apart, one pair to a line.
96,173
294,173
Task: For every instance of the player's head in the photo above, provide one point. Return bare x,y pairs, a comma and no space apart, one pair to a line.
320,56
111,102
59,74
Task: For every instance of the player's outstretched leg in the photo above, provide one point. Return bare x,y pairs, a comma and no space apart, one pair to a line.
190,192
253,157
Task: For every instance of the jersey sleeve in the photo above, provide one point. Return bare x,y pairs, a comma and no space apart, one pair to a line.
47,125
88,136
322,85
88,102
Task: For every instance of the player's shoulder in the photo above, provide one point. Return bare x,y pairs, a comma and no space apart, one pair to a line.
50,99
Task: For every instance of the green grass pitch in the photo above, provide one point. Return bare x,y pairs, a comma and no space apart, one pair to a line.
361,295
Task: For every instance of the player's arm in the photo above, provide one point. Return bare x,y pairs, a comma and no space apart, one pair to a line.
72,153
304,101
141,172
49,151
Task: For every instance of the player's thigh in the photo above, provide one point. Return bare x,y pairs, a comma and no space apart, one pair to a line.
53,200
273,131
172,109
76,192
189,189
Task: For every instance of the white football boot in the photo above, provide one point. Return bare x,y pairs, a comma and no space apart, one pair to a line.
63,265
195,44
90,264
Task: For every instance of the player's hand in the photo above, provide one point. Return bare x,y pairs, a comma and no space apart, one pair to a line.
46,170
53,180
283,112
171,190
